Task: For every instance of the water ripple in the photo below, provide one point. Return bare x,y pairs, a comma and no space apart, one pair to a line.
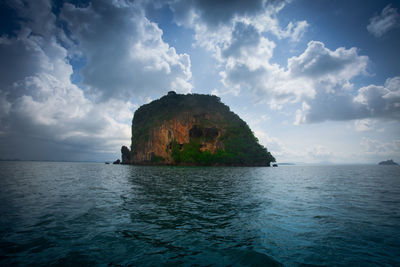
97,214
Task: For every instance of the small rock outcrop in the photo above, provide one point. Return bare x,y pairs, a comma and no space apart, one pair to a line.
125,155
117,162
192,129
388,162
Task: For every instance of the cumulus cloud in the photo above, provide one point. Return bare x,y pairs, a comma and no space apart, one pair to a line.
238,36
381,101
245,58
319,79
382,23
269,23
57,112
371,101
213,21
317,74
124,51
43,115
318,62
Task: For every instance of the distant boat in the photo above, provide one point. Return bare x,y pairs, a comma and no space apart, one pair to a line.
388,162
107,162
274,165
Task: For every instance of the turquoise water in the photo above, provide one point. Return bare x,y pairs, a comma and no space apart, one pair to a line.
115,215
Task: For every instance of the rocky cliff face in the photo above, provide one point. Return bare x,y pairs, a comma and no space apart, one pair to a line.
193,130
179,130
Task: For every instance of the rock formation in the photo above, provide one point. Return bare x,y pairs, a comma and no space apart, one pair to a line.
388,162
125,155
193,129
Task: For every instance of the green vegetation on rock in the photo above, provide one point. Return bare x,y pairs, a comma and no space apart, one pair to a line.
156,159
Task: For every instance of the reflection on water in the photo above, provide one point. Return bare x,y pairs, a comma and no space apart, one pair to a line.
80,213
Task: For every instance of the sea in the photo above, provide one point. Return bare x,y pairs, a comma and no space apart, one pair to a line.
93,214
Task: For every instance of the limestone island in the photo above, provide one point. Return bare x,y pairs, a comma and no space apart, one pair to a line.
388,162
192,129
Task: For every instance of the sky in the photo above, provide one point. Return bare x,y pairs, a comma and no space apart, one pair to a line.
317,81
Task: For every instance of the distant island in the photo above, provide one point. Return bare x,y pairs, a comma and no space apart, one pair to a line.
388,162
192,129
